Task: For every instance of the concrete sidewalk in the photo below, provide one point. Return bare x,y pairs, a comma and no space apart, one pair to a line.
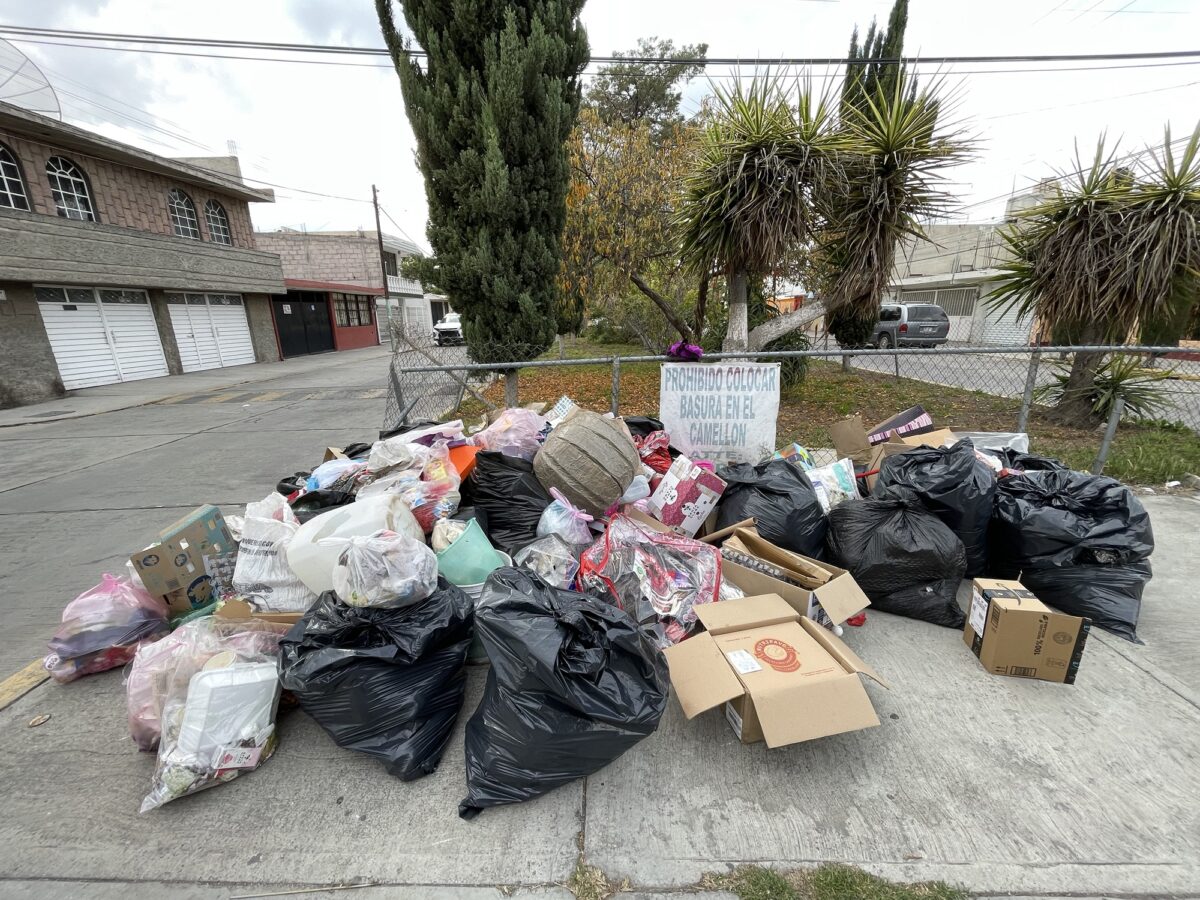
1002,785
114,397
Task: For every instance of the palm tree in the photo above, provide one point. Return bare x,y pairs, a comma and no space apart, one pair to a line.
894,177
1112,250
749,198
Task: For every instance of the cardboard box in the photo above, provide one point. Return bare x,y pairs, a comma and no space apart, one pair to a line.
781,677
1014,633
852,439
240,611
830,594
332,453
686,496
174,567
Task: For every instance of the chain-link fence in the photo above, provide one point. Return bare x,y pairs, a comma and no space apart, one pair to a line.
1074,397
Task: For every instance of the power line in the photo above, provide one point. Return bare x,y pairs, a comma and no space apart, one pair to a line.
280,46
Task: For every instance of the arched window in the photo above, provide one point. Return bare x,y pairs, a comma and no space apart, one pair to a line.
69,186
218,223
183,214
12,185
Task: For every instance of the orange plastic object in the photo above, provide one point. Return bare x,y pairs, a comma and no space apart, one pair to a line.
463,459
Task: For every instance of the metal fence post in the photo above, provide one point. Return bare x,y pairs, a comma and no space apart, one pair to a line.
1109,432
1030,384
896,360
616,388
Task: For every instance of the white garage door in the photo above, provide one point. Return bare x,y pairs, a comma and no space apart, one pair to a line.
1005,329
416,317
101,336
210,330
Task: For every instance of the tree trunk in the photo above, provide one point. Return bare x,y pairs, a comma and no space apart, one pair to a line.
736,336
664,306
1075,405
701,307
510,388
777,327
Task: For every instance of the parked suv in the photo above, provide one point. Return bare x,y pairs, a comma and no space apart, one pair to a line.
448,330
911,325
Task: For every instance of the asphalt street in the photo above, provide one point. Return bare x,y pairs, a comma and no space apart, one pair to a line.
1007,786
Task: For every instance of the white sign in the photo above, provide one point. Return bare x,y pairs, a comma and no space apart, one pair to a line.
287,309
725,412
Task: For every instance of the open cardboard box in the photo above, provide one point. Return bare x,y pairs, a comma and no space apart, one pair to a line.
173,567
781,677
852,439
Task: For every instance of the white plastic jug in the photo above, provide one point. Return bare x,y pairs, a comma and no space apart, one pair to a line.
313,562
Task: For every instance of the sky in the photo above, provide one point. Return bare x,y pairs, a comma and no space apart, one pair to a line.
324,133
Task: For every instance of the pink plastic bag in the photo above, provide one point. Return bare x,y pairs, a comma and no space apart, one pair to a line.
517,432
102,629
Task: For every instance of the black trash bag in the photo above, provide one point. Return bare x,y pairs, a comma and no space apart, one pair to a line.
289,484
782,501
955,485
1025,462
573,684
508,499
1068,536
357,451
640,426
316,502
902,556
386,682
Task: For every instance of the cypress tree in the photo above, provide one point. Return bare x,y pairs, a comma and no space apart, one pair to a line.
869,76
492,105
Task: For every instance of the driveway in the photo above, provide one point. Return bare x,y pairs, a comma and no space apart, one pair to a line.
1004,785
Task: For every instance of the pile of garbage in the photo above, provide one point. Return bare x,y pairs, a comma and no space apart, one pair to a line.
592,565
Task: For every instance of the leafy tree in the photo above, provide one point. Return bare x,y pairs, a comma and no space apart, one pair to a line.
625,187
625,93
492,106
1109,251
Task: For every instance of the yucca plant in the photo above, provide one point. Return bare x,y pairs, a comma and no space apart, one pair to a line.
893,176
1119,377
749,198
1112,248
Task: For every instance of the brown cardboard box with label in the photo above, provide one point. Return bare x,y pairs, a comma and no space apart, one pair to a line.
1014,633
782,678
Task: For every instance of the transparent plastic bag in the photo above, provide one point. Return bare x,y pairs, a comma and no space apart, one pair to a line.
102,629
565,520
657,578
385,569
430,490
552,558
218,711
516,432
262,574
833,483
335,470
180,655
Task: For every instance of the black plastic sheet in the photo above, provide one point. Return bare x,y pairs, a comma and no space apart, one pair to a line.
508,499
902,556
953,484
1080,542
573,684
385,682
778,496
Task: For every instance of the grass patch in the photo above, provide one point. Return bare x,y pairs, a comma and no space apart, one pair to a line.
1151,453
828,882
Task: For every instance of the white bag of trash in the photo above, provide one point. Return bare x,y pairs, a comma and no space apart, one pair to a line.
262,574
384,569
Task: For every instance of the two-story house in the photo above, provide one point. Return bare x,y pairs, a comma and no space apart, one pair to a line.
336,277
117,264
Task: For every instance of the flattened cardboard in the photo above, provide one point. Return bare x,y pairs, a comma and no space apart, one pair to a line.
850,439
240,610
1013,633
793,683
332,453
718,537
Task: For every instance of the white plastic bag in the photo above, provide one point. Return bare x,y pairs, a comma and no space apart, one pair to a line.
833,483
328,472
516,432
262,574
213,686
565,520
384,569
556,561
996,440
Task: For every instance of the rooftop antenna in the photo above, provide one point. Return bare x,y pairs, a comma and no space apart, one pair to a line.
23,84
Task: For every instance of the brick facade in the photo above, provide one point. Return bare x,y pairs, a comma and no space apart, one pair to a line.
122,195
337,259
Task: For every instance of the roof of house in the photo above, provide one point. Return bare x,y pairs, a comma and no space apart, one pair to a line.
77,140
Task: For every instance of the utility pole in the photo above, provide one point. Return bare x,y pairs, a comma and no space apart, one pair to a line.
387,301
